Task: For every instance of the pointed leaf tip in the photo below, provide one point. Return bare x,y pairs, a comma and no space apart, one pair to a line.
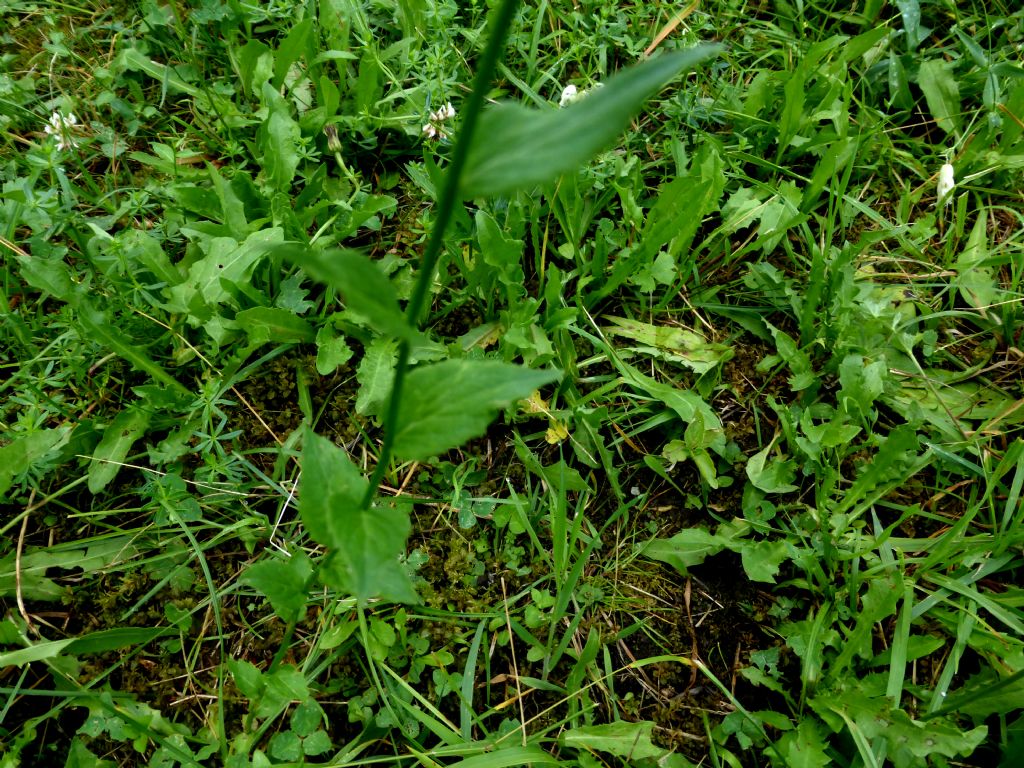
516,147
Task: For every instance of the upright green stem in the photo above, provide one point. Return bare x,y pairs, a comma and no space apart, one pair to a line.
501,22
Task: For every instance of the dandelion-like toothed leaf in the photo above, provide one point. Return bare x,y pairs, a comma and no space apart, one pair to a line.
516,147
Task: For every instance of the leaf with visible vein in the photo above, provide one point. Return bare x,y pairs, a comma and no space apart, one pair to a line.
445,404
516,147
118,438
365,544
365,288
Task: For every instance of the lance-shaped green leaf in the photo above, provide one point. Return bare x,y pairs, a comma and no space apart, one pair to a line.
365,288
364,544
94,642
629,740
677,345
516,147
98,326
445,404
118,438
689,547
941,93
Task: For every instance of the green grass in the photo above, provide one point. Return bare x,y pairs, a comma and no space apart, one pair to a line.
707,442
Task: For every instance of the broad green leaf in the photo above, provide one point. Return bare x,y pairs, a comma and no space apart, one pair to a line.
677,345
797,360
286,747
804,747
317,743
365,288
226,261
910,742
977,281
36,569
142,248
830,434
29,576
95,642
862,384
331,351
945,401
263,324
335,487
79,756
118,438
364,544
50,275
775,476
686,549
500,256
661,271
910,10
877,603
281,687
793,112
295,44
292,296
696,440
941,93
984,695
367,89
285,583
445,404
307,718
899,85
248,678
255,66
112,639
278,140
676,214
18,456
516,147
779,214
622,739
365,211
375,373
231,205
761,559
742,209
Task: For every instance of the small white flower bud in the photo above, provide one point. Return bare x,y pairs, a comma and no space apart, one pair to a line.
945,185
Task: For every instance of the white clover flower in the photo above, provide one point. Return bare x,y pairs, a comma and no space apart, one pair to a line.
61,127
435,128
569,95
945,185
447,112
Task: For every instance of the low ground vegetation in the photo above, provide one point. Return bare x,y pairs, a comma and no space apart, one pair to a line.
412,382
